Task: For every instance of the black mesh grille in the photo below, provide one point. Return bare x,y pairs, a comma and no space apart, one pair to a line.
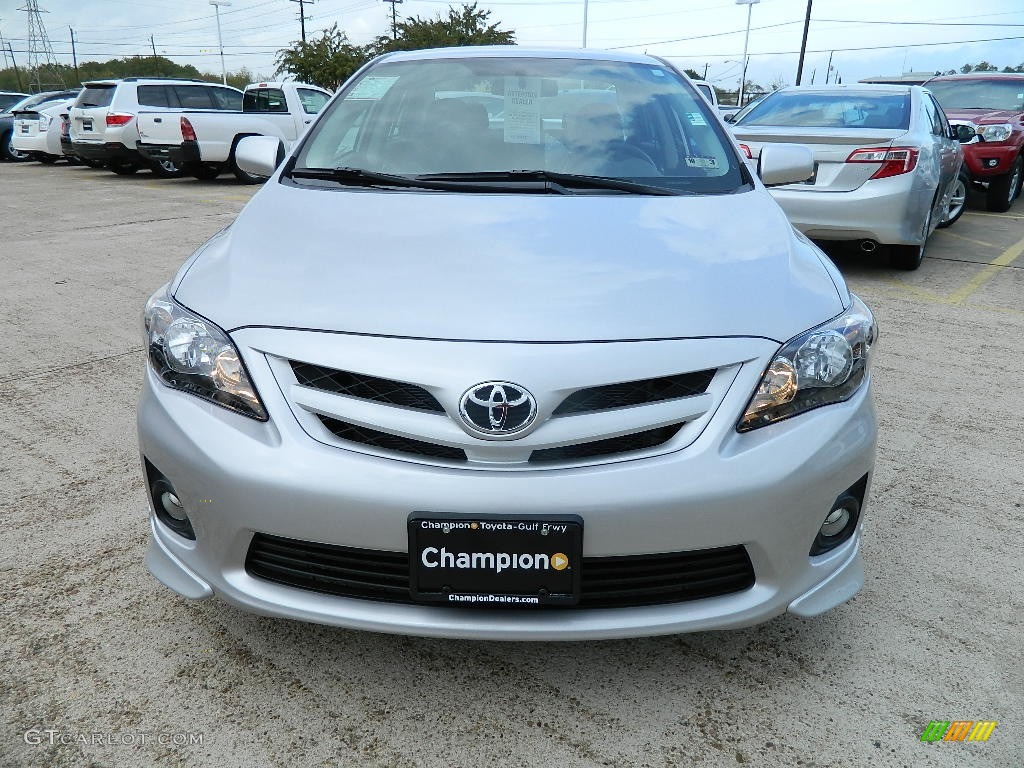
365,387
635,393
634,442
389,442
607,582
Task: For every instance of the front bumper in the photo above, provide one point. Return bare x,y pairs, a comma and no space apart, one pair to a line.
985,160
891,211
768,490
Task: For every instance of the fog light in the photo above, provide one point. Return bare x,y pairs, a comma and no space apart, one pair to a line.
172,506
991,162
167,504
841,521
835,522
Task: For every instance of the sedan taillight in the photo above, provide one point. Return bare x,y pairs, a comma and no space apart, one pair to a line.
117,119
894,161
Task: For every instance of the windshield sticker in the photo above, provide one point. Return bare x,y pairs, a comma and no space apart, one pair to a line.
522,110
701,162
696,118
371,88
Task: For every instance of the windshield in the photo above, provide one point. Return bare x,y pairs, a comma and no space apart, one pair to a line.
831,110
9,100
639,122
979,94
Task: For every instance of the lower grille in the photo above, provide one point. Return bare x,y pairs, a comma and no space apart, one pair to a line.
389,442
607,582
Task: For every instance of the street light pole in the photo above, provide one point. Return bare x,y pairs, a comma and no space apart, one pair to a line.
220,41
586,7
746,39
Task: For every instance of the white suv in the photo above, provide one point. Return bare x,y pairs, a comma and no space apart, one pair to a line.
103,120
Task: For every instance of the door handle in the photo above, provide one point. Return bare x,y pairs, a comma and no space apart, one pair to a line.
158,119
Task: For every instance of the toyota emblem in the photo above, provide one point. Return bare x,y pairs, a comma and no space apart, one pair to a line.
498,408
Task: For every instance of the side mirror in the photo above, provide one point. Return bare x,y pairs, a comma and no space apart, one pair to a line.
785,164
963,133
259,155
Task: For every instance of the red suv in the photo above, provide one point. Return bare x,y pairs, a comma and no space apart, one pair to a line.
987,109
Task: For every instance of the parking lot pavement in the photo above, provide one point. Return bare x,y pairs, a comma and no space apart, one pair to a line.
102,666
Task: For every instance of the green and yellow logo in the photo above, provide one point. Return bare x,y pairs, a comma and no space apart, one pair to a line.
958,730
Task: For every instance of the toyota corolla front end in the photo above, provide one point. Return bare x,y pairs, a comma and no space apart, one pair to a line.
519,380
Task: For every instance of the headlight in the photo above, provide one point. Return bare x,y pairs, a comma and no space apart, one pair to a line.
192,354
822,366
1000,132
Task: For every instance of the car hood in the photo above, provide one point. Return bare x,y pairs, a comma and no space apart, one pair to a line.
983,116
517,267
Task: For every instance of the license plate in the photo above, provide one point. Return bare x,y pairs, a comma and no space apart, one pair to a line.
495,561
87,124
24,128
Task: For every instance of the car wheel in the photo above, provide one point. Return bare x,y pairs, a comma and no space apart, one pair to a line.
1003,190
124,168
9,152
205,171
165,169
909,257
957,201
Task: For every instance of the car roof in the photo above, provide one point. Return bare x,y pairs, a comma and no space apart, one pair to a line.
515,51
978,76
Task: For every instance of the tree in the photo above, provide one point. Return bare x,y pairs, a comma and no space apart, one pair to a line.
327,60
464,26
693,74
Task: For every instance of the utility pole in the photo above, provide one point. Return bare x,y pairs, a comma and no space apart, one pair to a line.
3,48
586,7
828,69
705,71
74,54
14,64
220,40
803,43
394,18
156,61
302,15
746,39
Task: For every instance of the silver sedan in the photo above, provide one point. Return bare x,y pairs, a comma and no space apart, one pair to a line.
886,164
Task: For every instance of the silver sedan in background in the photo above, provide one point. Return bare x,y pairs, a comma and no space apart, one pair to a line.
885,163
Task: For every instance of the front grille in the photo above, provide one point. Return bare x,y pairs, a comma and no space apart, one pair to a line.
635,442
365,387
388,442
640,392
607,582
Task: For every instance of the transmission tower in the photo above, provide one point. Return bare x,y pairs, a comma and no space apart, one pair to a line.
42,64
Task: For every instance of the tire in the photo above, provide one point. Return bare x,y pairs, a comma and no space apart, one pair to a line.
165,169
1003,190
124,168
10,153
205,171
957,201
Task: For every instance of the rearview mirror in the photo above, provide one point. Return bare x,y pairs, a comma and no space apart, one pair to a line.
259,155
785,164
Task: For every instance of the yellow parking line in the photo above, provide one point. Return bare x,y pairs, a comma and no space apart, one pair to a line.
1005,259
995,215
969,239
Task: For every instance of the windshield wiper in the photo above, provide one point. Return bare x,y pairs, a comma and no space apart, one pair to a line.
360,177
567,181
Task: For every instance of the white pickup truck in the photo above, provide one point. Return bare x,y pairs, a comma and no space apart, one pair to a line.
203,141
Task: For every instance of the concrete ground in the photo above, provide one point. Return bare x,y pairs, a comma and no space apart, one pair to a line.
102,666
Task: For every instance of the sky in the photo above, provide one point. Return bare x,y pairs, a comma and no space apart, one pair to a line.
865,38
